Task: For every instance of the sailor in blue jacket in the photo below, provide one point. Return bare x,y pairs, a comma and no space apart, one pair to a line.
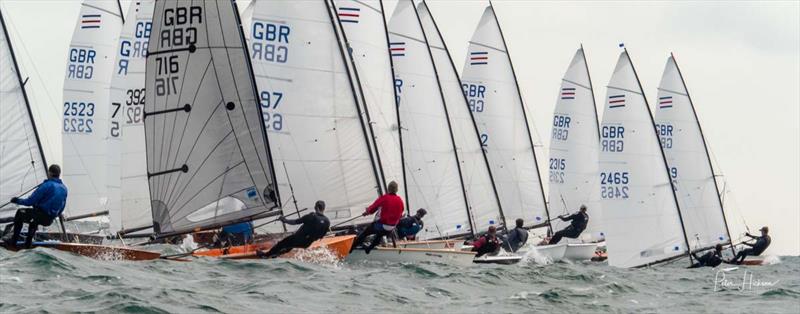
46,203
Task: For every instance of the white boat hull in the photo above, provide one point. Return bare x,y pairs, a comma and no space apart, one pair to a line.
498,259
580,251
548,253
435,244
413,255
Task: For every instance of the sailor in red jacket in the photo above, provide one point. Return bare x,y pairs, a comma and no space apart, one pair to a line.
390,209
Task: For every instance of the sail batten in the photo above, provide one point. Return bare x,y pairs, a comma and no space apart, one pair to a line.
212,166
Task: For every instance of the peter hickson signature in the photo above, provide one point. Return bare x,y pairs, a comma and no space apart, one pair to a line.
747,282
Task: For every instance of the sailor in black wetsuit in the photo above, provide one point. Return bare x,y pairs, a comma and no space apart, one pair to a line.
579,222
762,243
314,227
710,259
409,226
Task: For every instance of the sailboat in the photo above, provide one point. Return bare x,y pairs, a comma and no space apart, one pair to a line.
495,101
574,145
209,163
128,194
689,162
641,212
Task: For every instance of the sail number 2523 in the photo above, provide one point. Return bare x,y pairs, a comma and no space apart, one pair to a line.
78,117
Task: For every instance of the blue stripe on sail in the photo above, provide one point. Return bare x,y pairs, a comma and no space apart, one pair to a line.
350,9
480,53
93,26
616,106
90,15
478,63
616,96
349,21
567,97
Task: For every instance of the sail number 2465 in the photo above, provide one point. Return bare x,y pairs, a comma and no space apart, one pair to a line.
614,185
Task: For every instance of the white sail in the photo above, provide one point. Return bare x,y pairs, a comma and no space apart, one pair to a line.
22,165
207,154
365,30
640,212
490,85
85,127
573,150
319,141
432,169
129,196
690,167
481,197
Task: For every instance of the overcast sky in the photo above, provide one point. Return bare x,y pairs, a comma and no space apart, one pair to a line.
741,62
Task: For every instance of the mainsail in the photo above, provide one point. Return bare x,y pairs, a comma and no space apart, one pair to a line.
574,144
491,88
433,173
22,162
364,30
208,161
321,143
86,106
482,197
640,211
129,197
689,164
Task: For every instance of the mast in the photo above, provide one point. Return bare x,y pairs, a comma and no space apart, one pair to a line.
708,158
525,116
591,89
664,158
449,126
346,60
397,110
260,110
474,125
121,14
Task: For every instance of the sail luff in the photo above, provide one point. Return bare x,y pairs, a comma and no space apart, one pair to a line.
705,150
591,88
472,223
472,120
357,90
663,157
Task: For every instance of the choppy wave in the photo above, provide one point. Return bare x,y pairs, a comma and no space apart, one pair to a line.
53,281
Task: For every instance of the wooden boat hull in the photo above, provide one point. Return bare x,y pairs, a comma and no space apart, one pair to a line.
580,251
101,252
414,255
338,245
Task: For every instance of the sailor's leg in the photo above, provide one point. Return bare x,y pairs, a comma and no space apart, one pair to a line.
361,236
379,234
284,246
557,236
23,215
31,233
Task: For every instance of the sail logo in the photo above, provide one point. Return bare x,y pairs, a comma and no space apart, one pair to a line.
479,58
568,93
90,21
616,101
665,102
349,15
397,49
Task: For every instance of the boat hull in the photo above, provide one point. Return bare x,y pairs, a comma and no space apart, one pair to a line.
433,244
552,252
503,260
580,251
338,245
101,252
414,255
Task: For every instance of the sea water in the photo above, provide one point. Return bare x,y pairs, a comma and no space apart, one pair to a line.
46,280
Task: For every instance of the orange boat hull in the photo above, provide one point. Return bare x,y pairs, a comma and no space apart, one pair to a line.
338,245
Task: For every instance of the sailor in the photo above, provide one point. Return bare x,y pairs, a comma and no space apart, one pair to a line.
236,234
579,222
314,226
710,259
487,244
390,209
517,237
46,204
409,226
761,244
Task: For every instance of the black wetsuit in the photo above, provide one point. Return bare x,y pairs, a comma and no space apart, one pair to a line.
762,243
409,226
710,259
375,228
578,224
315,226
517,237
34,217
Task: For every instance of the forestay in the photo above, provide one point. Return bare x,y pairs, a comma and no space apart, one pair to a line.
477,178
432,168
319,139
362,23
207,156
491,88
22,165
640,210
85,127
129,197
689,165
574,144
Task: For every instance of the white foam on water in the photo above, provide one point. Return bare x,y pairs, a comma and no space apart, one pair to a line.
771,260
532,255
7,279
319,255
